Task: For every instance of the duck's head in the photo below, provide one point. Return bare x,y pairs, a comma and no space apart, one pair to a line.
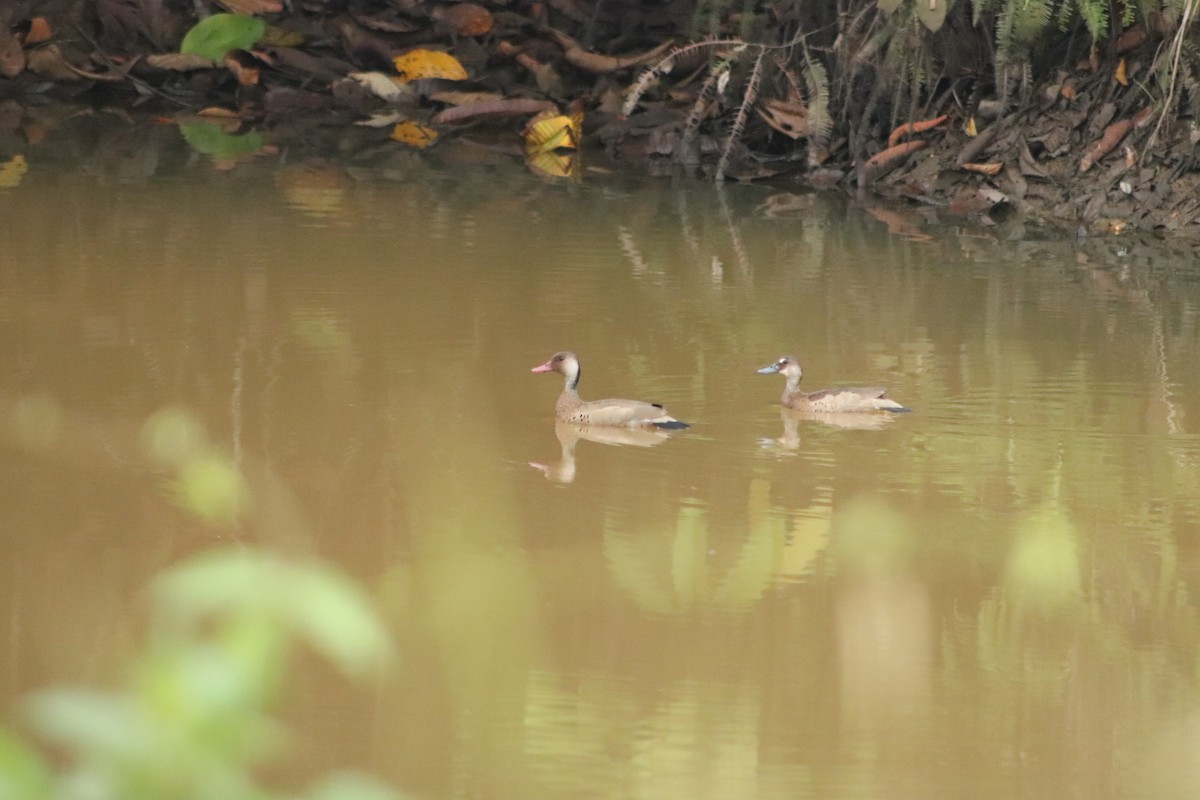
786,365
564,362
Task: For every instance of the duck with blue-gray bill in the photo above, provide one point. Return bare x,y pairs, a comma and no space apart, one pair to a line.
828,400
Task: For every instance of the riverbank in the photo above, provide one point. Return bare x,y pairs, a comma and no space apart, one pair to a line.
1088,151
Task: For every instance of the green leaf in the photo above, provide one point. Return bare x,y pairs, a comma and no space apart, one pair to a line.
324,607
220,33
334,615
217,581
207,138
91,721
353,786
23,775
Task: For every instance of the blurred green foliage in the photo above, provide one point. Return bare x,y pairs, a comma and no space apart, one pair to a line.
193,717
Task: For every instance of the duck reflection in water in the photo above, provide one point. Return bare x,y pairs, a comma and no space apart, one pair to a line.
569,434
790,439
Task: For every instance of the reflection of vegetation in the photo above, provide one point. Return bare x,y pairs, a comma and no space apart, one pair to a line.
320,331
212,140
206,483
638,561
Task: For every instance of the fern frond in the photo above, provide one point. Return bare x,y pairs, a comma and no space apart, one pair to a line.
1005,36
664,65
1128,14
749,96
1030,19
1066,12
692,126
1095,17
820,123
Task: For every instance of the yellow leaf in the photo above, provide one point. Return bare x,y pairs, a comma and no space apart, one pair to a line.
554,164
970,128
12,171
1120,75
417,64
414,134
549,131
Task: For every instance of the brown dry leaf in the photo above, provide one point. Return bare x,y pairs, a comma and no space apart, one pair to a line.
381,85
287,99
915,127
1112,137
452,98
465,19
363,46
1068,91
179,62
392,23
278,37
289,58
252,7
788,117
33,31
50,63
244,67
588,61
1120,75
1131,39
887,160
992,168
572,10
12,57
549,82
414,134
382,120
492,109
979,201
417,64
1028,164
216,112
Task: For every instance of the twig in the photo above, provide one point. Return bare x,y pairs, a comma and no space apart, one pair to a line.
739,124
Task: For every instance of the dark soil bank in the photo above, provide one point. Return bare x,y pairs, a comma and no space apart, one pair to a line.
1086,135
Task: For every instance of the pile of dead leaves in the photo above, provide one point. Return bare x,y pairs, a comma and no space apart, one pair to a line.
418,70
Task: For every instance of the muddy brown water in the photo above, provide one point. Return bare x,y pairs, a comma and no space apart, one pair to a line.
991,597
